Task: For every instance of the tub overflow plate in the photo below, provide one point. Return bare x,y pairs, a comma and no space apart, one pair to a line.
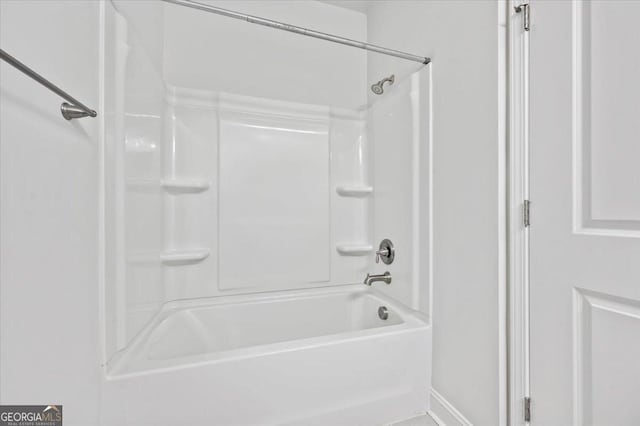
383,313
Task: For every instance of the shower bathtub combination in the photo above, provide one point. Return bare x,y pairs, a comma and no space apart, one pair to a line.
267,218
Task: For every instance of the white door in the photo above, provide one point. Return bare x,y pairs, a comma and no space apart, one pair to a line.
585,212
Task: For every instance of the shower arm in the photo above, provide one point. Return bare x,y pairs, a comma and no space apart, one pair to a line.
389,80
299,30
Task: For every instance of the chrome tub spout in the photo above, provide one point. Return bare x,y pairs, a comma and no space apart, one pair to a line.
372,278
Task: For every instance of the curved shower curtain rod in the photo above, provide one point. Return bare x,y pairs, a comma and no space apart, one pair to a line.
299,30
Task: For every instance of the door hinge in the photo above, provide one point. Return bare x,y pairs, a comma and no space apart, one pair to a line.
524,9
526,213
527,409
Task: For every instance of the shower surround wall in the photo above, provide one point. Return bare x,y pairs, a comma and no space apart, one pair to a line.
232,181
264,197
134,116
399,135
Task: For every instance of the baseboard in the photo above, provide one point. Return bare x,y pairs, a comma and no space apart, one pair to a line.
444,413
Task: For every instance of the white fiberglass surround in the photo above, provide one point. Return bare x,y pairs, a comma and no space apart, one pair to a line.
250,176
313,356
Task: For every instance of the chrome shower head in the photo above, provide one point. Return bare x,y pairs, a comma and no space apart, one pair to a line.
378,88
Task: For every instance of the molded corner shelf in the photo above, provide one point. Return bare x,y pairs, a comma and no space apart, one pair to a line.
354,190
354,249
183,257
180,185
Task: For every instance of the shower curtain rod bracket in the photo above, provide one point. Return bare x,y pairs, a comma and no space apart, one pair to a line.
69,112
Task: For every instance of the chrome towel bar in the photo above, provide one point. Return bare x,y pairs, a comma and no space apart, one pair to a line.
71,109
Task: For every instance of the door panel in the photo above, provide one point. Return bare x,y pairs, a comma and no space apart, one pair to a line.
585,213
606,111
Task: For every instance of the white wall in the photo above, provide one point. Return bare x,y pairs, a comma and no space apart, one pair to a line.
462,40
49,347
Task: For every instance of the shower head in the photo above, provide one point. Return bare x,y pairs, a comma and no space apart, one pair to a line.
378,88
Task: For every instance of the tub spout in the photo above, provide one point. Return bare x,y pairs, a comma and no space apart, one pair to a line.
372,278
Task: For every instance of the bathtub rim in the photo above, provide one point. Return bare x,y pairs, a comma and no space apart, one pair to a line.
125,363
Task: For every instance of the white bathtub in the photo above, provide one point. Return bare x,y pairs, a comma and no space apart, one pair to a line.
318,356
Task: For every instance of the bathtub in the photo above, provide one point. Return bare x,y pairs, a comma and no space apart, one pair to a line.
322,356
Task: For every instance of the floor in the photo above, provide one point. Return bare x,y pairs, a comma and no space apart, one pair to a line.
423,420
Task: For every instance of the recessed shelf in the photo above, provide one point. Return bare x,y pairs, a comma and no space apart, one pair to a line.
354,190
183,257
184,185
354,249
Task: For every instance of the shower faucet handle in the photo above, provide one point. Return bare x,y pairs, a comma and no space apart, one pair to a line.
386,252
383,252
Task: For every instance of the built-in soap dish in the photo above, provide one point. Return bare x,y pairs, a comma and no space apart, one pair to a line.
184,185
184,257
354,249
354,190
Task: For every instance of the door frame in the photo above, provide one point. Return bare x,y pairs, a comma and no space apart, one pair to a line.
518,40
